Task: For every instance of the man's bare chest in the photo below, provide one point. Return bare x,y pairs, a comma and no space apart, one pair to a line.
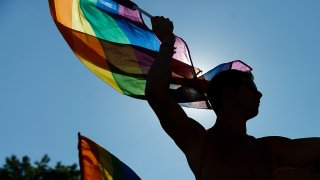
235,157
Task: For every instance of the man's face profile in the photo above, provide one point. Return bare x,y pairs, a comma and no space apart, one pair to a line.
235,92
247,98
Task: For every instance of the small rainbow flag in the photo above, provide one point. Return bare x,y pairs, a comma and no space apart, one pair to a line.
96,163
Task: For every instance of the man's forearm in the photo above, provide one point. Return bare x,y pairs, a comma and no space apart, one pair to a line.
159,74
158,79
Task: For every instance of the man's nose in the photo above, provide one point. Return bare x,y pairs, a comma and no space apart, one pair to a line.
259,94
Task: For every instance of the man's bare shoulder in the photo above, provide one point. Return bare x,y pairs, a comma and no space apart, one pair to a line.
296,158
274,140
275,146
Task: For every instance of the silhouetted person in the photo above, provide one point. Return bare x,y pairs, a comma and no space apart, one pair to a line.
225,151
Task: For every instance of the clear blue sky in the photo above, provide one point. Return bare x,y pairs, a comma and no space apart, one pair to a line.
47,95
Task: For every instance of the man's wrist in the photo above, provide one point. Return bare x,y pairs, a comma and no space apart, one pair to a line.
168,46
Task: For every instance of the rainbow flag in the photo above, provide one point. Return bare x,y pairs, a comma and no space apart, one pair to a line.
96,163
116,45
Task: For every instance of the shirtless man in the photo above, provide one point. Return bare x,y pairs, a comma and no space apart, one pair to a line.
225,151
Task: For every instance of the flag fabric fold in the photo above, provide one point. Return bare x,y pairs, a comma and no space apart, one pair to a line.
96,163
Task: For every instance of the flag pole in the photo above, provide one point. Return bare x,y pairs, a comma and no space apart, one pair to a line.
143,11
80,157
131,5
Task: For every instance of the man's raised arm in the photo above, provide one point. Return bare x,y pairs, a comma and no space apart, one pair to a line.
187,133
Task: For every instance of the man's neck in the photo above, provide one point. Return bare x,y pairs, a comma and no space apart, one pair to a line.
231,124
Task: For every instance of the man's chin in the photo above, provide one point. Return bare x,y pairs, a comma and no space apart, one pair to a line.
254,114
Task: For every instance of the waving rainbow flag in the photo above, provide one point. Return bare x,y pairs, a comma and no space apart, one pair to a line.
96,163
117,46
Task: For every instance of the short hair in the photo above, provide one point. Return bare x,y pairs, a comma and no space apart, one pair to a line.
230,78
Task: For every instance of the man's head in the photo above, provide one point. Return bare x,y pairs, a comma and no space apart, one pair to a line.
237,88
